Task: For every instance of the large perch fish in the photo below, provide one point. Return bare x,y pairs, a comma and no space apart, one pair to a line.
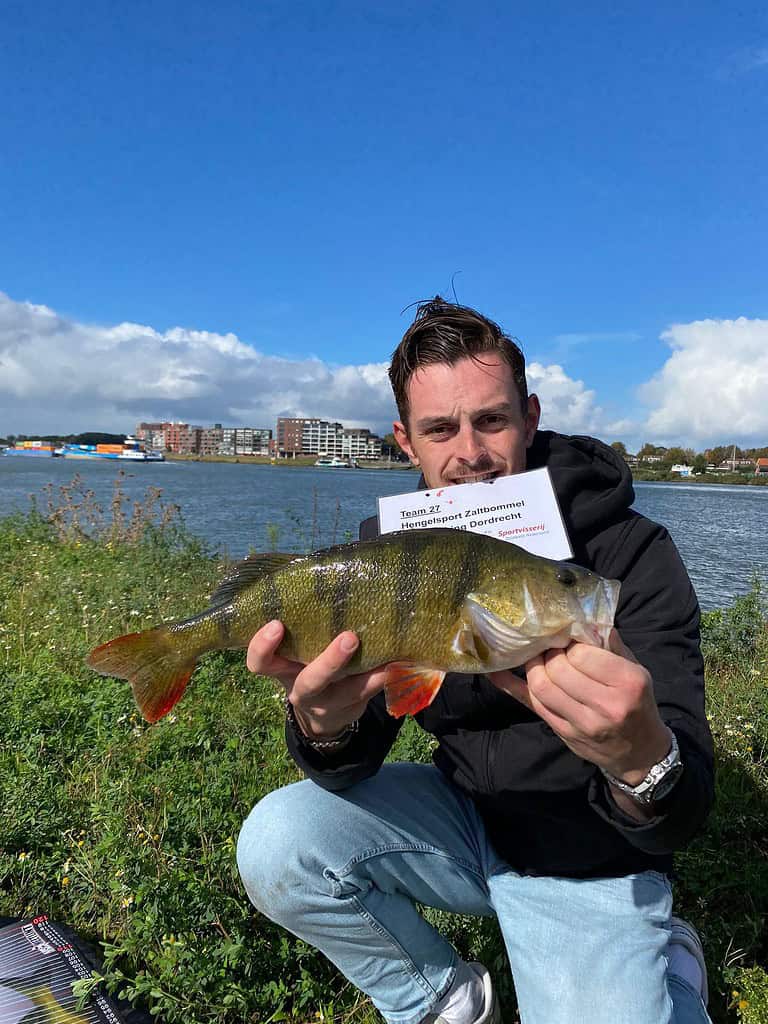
423,603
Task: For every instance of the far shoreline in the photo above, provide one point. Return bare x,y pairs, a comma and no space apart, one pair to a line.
726,480
266,460
702,481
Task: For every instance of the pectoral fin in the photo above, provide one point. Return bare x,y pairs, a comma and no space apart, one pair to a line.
410,688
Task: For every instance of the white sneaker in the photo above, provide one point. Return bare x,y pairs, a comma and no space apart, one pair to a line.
686,936
491,1011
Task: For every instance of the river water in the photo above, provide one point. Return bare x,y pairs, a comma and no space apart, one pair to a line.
720,531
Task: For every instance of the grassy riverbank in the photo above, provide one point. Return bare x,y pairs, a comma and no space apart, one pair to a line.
724,479
127,831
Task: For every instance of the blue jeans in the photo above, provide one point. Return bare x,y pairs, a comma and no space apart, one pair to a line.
342,871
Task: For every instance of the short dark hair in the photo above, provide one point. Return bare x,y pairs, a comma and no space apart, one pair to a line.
445,332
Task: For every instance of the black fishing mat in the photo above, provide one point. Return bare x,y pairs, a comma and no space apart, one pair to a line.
39,961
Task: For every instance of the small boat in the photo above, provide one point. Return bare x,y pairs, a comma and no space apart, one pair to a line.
335,462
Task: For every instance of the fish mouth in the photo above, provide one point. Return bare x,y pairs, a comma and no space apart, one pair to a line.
599,610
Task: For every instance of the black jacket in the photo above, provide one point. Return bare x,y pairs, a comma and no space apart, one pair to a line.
547,811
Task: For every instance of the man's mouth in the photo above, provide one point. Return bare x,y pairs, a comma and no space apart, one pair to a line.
475,478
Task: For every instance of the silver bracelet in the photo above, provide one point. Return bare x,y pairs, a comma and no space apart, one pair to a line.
332,744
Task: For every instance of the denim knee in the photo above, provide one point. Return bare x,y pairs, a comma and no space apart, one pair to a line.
275,850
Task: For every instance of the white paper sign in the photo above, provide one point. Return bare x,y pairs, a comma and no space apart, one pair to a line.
522,509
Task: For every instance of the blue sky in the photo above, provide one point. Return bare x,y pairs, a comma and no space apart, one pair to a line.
296,174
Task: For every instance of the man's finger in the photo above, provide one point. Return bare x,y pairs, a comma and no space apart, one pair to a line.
510,683
520,690
261,657
346,694
617,646
323,670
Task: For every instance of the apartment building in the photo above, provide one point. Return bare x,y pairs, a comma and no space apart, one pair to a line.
210,440
152,434
311,436
295,436
245,441
181,438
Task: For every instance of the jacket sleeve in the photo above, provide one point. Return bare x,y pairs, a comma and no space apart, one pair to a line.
359,759
658,619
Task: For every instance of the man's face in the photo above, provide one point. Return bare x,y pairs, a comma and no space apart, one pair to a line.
466,422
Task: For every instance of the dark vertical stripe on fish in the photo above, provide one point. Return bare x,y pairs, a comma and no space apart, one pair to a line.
343,574
407,578
467,577
224,616
323,581
272,603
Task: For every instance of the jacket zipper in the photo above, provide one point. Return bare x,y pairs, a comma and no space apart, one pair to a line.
489,752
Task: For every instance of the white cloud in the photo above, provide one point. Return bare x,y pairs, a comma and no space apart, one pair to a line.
743,61
566,404
61,376
714,386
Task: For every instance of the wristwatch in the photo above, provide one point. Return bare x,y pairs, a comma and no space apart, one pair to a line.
336,743
658,782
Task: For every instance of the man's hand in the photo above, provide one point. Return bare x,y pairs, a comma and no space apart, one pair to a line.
600,703
324,703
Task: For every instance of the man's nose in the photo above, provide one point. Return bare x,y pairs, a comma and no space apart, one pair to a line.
470,446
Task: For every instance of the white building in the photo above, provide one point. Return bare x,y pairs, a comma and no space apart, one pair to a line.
303,436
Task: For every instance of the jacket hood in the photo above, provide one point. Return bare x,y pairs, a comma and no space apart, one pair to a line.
592,481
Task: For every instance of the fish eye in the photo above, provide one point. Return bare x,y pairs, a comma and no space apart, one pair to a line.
566,577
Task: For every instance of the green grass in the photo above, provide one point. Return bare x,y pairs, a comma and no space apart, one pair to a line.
127,831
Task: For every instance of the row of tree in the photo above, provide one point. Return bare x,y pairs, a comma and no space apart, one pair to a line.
688,457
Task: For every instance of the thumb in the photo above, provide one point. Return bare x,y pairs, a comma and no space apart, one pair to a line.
617,646
513,685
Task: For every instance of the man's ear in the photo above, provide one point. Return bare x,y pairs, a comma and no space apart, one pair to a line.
401,436
532,417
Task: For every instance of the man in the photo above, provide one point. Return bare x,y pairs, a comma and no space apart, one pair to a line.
555,801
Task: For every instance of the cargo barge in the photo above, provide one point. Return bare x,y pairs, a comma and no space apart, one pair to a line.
131,450
37,449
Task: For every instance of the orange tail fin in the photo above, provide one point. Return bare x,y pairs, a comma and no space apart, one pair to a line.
157,672
410,688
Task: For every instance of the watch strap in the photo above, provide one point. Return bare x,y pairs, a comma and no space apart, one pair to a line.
323,745
644,790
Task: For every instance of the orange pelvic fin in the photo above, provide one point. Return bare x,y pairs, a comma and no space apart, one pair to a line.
157,672
410,688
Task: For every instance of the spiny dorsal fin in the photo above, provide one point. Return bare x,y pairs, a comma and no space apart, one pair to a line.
244,573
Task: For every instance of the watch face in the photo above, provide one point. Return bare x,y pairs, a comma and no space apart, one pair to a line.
666,785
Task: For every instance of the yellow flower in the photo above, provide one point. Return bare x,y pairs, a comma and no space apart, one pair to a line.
65,880
743,1004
